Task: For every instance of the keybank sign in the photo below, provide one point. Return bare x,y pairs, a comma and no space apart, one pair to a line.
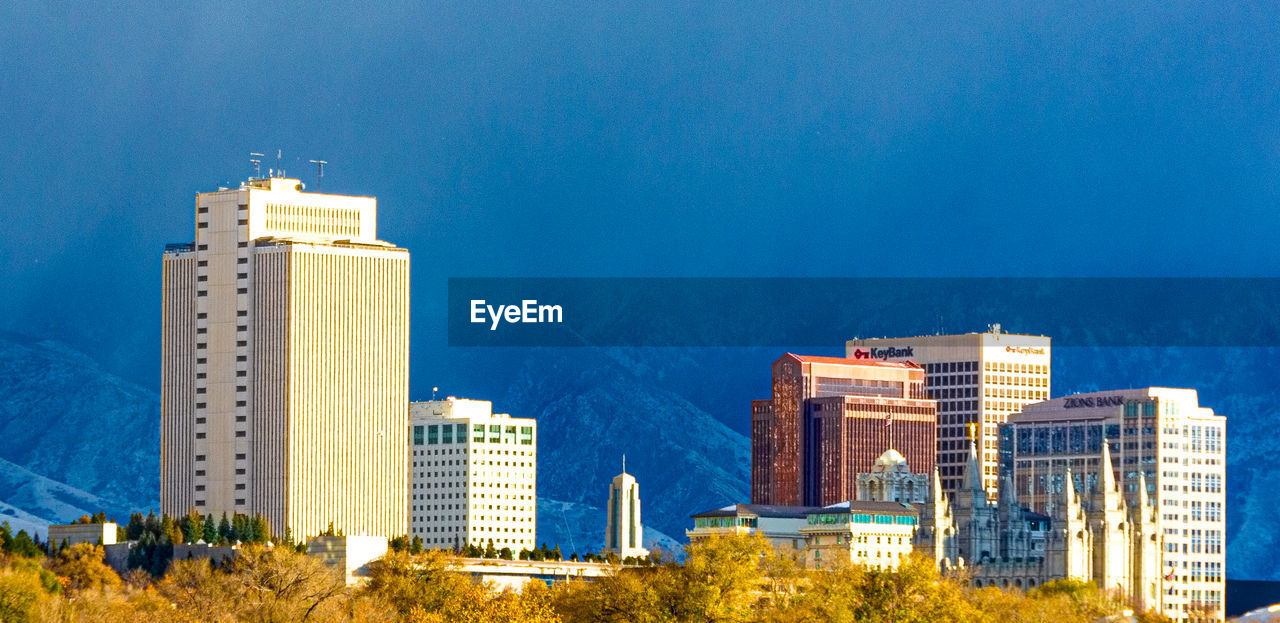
1024,350
1093,401
883,353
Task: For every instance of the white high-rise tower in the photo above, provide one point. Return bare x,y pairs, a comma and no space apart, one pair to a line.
624,535
284,372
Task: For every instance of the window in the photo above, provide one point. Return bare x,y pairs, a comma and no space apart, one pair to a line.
417,435
433,434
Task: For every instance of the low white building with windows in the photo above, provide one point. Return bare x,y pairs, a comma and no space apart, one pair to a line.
473,476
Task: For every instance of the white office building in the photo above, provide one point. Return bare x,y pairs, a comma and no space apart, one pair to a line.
977,378
1158,437
473,476
284,363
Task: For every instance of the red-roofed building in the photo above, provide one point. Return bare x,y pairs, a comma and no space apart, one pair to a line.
828,420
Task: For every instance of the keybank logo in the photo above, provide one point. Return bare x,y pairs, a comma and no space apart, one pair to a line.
1024,350
889,352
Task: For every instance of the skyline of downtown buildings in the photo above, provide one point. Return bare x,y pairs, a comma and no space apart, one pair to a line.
284,390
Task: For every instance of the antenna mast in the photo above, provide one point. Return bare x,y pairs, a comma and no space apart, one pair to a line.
256,159
279,154
320,178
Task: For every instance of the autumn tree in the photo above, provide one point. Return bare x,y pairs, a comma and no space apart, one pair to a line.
427,582
82,568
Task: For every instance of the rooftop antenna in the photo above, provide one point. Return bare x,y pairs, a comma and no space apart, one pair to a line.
279,154
624,463
256,159
433,392
320,179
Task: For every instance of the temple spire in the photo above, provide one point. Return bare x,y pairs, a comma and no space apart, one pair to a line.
1107,477
973,469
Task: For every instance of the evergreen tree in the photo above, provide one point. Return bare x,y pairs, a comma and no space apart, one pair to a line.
133,530
261,529
210,530
170,533
555,553
399,544
224,530
192,526
505,554
415,546
21,544
240,530
490,551
152,524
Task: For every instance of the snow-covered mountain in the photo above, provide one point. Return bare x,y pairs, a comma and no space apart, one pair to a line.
74,439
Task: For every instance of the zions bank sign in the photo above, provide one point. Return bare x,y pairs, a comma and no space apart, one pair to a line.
883,353
1093,401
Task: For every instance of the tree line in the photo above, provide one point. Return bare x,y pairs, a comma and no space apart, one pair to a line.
734,579
542,553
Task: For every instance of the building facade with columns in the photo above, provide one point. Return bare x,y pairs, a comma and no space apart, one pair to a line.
284,363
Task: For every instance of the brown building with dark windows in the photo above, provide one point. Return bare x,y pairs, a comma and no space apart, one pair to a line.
829,419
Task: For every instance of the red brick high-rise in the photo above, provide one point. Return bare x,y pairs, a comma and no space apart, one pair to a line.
829,419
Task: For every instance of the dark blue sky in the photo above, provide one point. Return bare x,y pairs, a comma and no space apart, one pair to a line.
597,139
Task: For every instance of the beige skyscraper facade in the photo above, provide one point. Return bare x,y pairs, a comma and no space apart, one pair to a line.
977,378
284,373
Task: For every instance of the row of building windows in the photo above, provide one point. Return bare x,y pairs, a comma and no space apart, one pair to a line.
950,366
1017,368
951,380
457,433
